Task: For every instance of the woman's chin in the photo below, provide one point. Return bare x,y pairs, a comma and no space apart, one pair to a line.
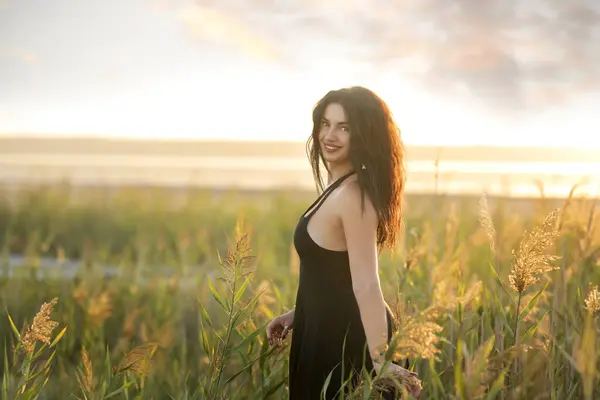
333,160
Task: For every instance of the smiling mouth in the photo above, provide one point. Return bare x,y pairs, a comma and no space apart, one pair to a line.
331,148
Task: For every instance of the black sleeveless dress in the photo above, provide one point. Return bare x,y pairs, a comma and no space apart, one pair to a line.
328,334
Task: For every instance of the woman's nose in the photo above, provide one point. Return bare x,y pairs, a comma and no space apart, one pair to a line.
329,133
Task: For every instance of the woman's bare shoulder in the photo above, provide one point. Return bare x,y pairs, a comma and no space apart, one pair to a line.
349,201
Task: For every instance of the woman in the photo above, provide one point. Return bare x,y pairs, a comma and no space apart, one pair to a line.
341,322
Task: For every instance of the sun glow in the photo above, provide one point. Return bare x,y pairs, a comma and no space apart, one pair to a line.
277,105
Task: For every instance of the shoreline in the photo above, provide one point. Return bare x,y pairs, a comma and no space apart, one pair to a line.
511,172
24,144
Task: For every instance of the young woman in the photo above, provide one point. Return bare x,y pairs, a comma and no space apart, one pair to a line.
341,322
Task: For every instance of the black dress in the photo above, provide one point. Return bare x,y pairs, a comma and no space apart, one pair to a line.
326,316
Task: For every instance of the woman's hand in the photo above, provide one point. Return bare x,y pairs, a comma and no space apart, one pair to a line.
394,369
408,378
278,329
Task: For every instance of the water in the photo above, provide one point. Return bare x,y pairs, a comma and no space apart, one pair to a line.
453,177
51,268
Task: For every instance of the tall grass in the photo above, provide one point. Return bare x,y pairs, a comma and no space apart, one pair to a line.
493,300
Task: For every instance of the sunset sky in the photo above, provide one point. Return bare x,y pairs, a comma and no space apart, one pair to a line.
249,69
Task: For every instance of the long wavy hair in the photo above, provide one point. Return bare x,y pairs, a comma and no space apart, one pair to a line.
375,143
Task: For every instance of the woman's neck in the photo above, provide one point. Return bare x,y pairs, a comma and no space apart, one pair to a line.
337,171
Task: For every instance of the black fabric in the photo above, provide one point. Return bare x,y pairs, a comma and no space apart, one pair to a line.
327,318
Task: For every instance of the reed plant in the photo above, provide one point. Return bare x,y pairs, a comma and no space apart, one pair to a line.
165,294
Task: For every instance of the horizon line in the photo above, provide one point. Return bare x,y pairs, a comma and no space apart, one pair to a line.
121,138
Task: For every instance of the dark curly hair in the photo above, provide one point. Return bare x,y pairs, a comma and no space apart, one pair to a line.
375,143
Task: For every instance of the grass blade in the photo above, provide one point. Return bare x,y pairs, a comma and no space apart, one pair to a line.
205,314
532,303
13,327
248,338
216,295
499,282
531,331
58,337
241,290
125,386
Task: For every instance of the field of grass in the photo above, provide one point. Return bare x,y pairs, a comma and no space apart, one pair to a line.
200,274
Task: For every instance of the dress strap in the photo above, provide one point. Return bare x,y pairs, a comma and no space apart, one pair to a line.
319,201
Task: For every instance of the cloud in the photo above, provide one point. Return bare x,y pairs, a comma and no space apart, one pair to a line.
218,26
506,54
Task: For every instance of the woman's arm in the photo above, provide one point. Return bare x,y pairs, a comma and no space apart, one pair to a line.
360,230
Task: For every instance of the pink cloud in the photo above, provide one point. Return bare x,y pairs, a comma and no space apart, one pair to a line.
204,23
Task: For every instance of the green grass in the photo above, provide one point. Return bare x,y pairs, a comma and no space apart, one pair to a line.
197,330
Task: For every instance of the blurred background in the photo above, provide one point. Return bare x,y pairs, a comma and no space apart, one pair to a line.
140,140
502,94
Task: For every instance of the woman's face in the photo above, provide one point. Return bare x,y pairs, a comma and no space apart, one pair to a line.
334,135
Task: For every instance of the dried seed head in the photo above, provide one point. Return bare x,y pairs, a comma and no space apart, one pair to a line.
486,223
417,339
388,382
477,370
41,328
592,301
238,262
100,308
87,377
138,361
446,304
531,260
80,294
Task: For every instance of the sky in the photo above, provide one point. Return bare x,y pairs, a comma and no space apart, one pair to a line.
453,72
